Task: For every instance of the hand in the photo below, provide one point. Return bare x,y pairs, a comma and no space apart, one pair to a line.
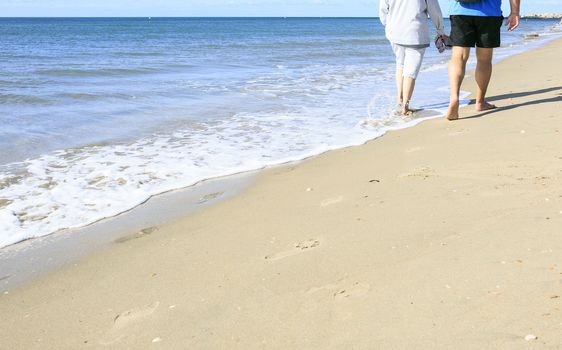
512,21
447,41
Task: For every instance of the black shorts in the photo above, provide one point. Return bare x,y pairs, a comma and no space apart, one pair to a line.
480,31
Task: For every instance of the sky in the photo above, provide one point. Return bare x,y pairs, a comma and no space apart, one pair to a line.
196,8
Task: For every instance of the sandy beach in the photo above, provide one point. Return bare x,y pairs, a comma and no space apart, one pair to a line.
446,235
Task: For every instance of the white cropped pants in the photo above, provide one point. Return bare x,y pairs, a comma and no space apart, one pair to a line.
409,59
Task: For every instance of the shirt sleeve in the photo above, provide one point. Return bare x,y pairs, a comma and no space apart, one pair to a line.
436,15
383,11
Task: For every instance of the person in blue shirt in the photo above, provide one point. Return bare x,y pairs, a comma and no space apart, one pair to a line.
476,23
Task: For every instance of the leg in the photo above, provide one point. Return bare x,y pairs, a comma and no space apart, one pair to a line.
483,74
457,70
412,65
407,92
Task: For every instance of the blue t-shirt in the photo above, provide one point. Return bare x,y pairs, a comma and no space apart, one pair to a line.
480,8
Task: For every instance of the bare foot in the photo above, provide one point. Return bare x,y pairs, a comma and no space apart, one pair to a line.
406,110
484,106
453,112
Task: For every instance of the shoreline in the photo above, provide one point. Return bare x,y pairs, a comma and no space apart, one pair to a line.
18,259
24,261
67,217
313,252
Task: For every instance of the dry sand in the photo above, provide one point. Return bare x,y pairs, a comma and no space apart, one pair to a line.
447,235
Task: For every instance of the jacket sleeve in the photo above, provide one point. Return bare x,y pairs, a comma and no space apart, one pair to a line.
383,11
436,15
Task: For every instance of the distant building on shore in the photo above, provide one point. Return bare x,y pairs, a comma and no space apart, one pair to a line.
544,15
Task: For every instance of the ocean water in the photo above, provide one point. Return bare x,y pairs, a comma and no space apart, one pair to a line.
98,115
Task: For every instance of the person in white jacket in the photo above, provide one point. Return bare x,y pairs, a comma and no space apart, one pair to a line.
407,29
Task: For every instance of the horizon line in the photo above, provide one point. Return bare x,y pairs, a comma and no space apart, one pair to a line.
189,16
276,17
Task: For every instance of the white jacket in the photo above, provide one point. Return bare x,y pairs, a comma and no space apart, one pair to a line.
406,21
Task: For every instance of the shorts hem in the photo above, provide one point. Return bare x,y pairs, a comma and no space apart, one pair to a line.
477,46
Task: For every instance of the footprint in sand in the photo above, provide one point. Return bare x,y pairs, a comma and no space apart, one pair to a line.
209,197
358,289
423,172
142,233
325,288
331,201
125,319
319,298
299,248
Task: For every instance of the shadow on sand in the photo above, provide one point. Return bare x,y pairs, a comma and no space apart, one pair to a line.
557,98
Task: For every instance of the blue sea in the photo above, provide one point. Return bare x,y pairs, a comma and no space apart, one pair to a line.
98,115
